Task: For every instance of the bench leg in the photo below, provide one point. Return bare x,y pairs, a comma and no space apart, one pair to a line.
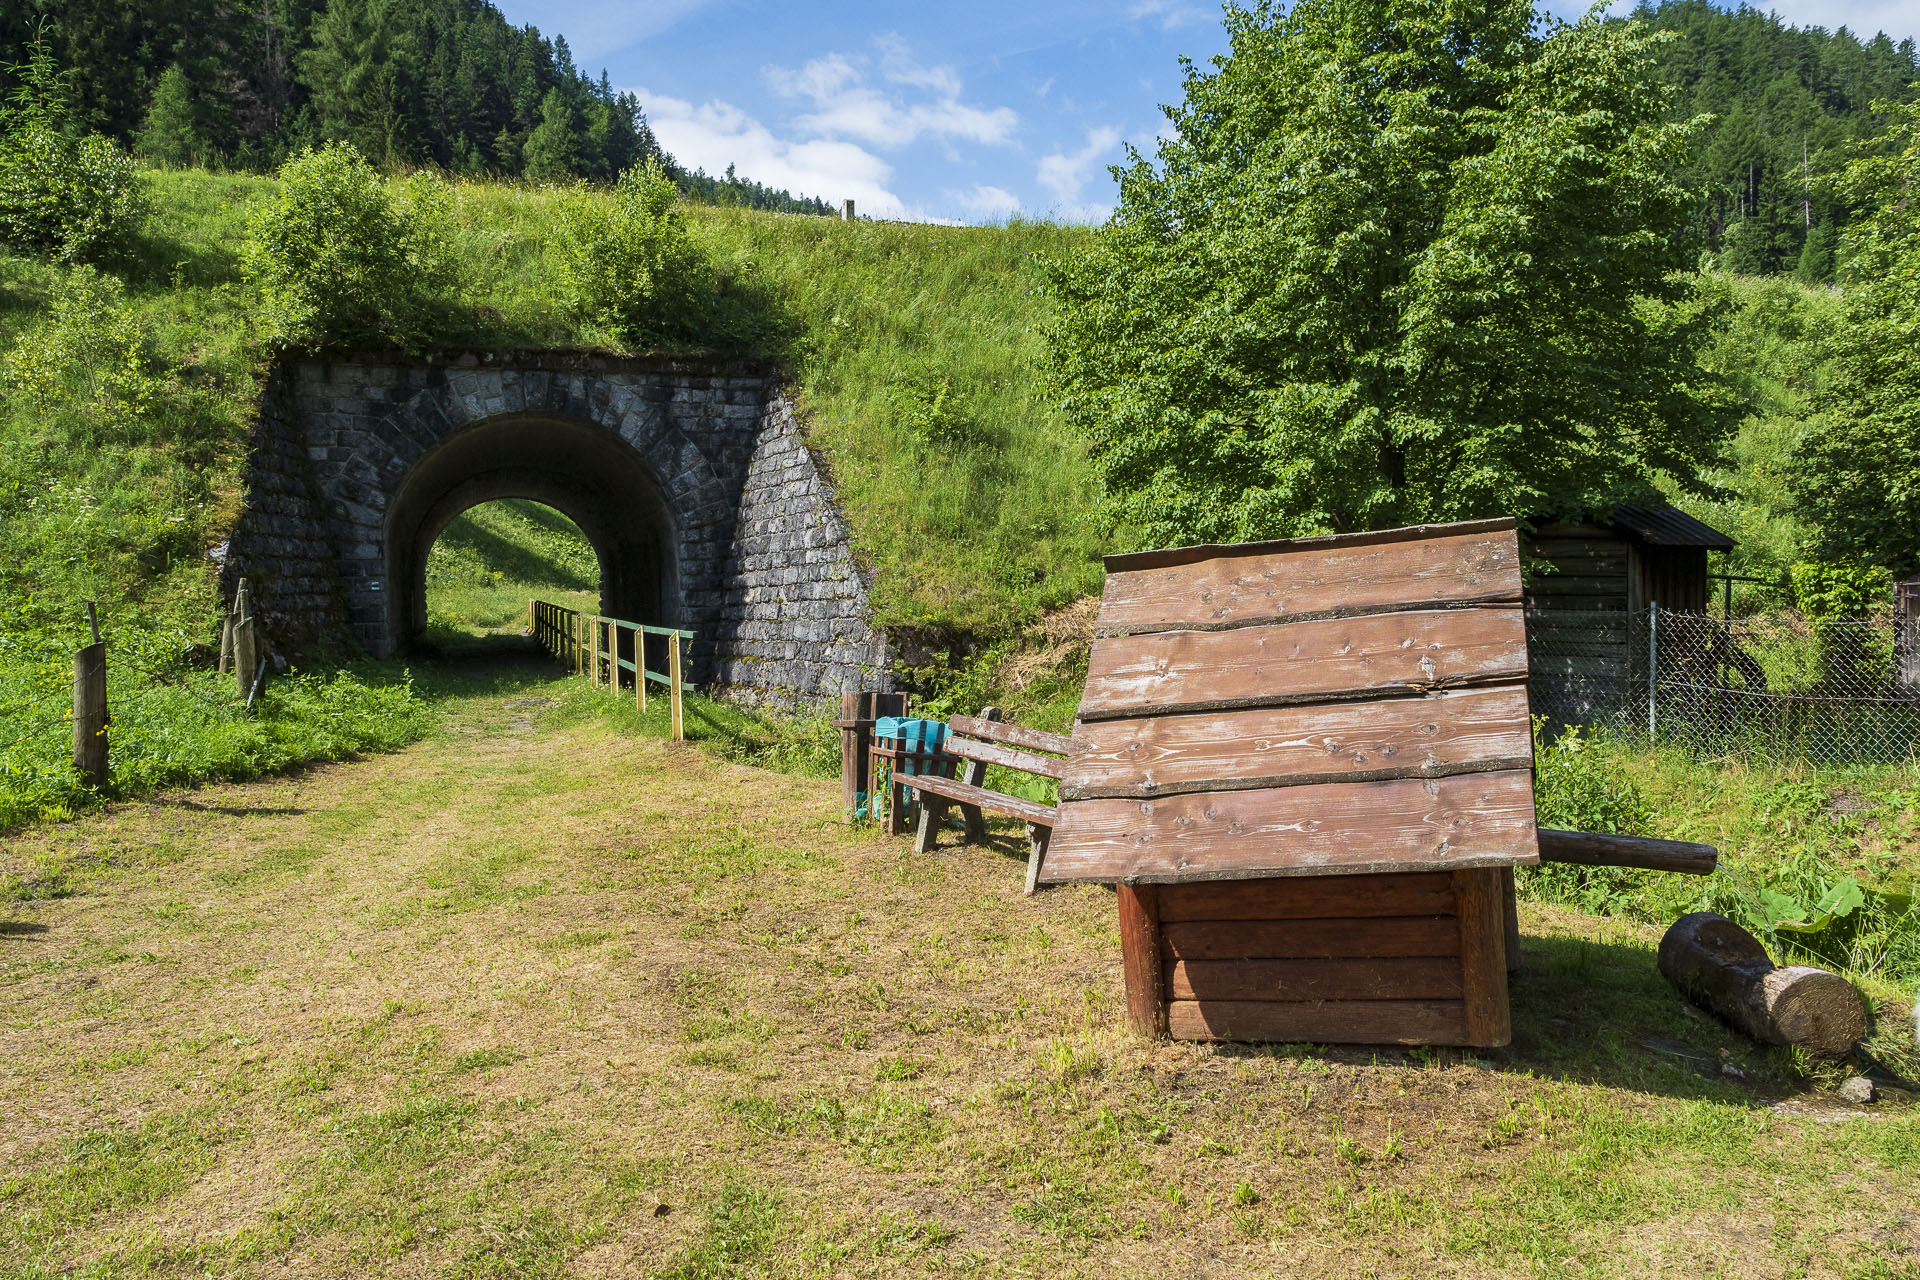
976,822
933,811
898,798
1037,837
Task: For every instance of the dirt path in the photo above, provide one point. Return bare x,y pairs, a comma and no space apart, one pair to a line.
532,999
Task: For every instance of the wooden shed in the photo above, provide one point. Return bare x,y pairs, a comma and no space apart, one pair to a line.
1587,604
1307,766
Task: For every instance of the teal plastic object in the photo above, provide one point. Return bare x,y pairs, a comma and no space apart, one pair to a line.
907,734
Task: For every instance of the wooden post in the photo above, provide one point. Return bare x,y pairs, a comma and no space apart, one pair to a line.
1513,919
975,775
246,641
1481,904
673,675
226,644
90,709
1906,631
853,751
1140,959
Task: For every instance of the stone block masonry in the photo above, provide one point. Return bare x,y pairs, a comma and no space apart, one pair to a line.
691,478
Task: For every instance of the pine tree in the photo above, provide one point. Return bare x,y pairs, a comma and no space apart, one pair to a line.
553,148
172,134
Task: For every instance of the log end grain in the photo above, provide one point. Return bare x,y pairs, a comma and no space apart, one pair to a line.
1819,1011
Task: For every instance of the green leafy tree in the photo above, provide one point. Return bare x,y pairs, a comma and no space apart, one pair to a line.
172,134
1400,260
1859,482
343,257
553,150
63,191
626,260
91,355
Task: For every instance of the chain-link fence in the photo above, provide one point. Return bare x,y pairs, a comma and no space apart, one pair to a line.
1777,686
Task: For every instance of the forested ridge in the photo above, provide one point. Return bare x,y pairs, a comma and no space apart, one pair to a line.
443,83
1790,106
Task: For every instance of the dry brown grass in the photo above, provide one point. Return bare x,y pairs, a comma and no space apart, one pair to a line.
532,999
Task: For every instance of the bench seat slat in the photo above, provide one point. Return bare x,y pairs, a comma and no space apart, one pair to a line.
1040,815
994,753
1011,734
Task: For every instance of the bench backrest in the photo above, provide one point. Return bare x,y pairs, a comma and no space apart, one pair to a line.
993,742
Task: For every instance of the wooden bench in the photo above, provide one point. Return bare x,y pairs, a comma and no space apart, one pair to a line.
980,741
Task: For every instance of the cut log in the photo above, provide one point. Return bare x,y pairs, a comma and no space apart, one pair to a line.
1724,969
1589,849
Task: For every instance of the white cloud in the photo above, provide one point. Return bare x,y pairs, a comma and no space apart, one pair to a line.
986,202
1066,175
597,28
1173,14
848,105
715,134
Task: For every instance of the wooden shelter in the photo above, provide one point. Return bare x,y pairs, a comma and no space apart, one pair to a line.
1587,603
1307,765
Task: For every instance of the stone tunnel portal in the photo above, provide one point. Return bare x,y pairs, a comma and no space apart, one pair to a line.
585,472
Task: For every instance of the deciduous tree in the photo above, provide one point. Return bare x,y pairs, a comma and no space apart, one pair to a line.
1398,260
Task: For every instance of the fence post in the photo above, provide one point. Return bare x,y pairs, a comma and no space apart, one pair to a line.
246,641
90,708
1653,667
673,675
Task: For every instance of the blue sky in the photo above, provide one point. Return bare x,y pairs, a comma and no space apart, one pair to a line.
953,112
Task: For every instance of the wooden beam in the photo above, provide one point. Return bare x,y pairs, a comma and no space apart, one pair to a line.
1465,730
1404,978
1387,938
1309,898
994,753
1140,961
1590,849
1438,824
1247,586
1341,658
1483,955
1011,734
1331,1022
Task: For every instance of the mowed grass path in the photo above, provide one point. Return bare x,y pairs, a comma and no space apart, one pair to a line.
532,999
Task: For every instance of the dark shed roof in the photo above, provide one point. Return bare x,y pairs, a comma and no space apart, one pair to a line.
1667,527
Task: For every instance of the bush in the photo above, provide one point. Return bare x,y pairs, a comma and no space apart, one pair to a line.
626,261
66,193
342,258
92,355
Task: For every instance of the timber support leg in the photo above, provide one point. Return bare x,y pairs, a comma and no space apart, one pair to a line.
933,811
1037,837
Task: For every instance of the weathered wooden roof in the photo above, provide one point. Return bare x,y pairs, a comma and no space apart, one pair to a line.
1315,706
1670,527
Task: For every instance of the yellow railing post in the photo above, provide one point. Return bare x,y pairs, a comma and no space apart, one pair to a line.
673,676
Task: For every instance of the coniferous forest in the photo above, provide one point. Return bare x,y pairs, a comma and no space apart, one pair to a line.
1789,107
443,83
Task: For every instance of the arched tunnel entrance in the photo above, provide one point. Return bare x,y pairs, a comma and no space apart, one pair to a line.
586,472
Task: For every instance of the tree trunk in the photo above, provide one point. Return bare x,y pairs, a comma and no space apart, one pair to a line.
1724,969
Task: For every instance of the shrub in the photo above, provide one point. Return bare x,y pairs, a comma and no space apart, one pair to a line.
342,258
66,193
626,261
92,355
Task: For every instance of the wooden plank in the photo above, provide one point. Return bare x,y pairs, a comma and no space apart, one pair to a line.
1334,1022
1482,922
974,774
1470,819
1384,653
1461,731
1011,734
1130,561
1428,893
1140,961
1386,938
1007,757
1417,978
953,789
1337,579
